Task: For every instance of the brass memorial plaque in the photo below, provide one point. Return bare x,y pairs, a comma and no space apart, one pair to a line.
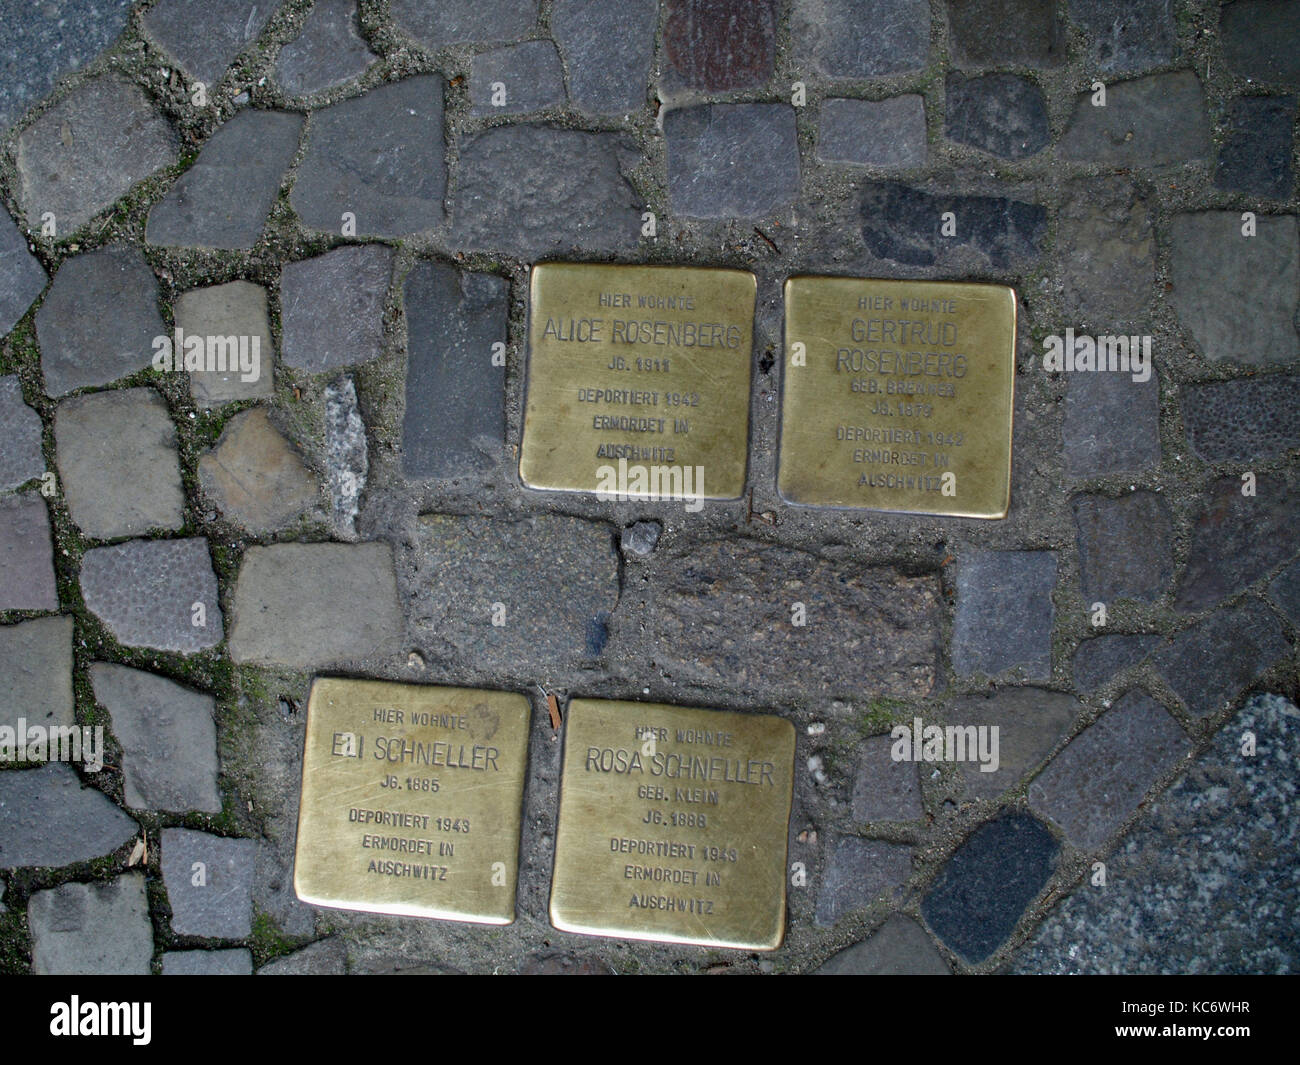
897,395
411,799
673,824
638,381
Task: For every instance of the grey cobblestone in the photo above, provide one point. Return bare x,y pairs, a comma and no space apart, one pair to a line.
1236,421
1261,40
1285,592
859,872
20,436
330,50
255,476
1030,723
1002,114
1148,122
885,790
1004,614
731,160
1103,657
1256,153
22,277
1125,546
1111,423
36,672
845,39
332,307
461,21
607,49
92,929
1127,36
209,883
1106,250
529,75
235,309
899,947
26,555
885,133
207,963
994,32
48,819
205,37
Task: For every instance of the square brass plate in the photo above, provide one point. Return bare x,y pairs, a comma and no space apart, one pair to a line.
411,799
673,824
647,365
904,398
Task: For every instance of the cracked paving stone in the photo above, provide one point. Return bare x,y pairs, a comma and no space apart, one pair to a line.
885,789
848,39
288,598
26,555
1105,772
884,133
347,460
1261,40
1237,421
1111,423
899,947
100,929
22,277
86,151
36,672
715,45
1106,251
147,592
731,160
99,319
255,476
168,735
1030,723
607,49
997,32
329,51
235,309
379,157
332,307
1256,153
454,424
1148,122
1217,273
48,819
1125,546
209,882
859,872
1004,613
205,37
207,963
463,21
1126,36
1001,114
525,77
327,957
124,438
223,200
21,457
1099,659
984,888
1285,592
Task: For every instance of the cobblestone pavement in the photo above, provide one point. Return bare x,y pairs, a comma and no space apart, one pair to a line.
181,553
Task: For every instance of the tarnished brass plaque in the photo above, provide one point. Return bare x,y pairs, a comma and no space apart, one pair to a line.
411,799
638,381
903,399
673,824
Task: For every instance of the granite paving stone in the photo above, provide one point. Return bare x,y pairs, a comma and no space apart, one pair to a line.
326,957
1154,121
1209,664
848,39
124,438
1111,423
168,735
22,277
36,672
859,872
1285,592
1030,722
223,200
885,133
329,51
255,476
1125,546
332,307
731,160
982,891
1216,272
99,319
997,32
607,49
48,819
21,457
1004,614
236,309
1106,251
1261,40
1244,419
454,424
98,929
287,605
1099,659
1002,114
462,21
145,591
716,45
87,150
899,947
346,456
883,789
1256,153
393,178
209,882
205,37
527,76
1092,786
26,555
1126,36
207,963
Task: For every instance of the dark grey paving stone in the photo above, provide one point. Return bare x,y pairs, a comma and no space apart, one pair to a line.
86,151
22,277
145,591
36,672
332,307
1106,250
535,190
1285,592
1209,664
255,477
1261,40
1174,906
607,49
92,929
1125,546
1092,786
981,893
859,872
640,538
1004,613
999,32
1217,273
287,602
463,21
847,39
714,45
1111,423
1099,659
124,438
48,819
1249,418
393,179
347,461
1126,36
1030,722
209,882
455,422
731,160
529,74
1002,114
223,200
168,735
885,133
207,963
329,51
1237,539
99,319
723,612
236,309
327,957
1147,122
899,947
26,555
21,457
205,37
903,224
883,789
1256,153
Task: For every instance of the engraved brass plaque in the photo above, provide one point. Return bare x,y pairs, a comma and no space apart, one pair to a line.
411,800
673,824
638,381
903,400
